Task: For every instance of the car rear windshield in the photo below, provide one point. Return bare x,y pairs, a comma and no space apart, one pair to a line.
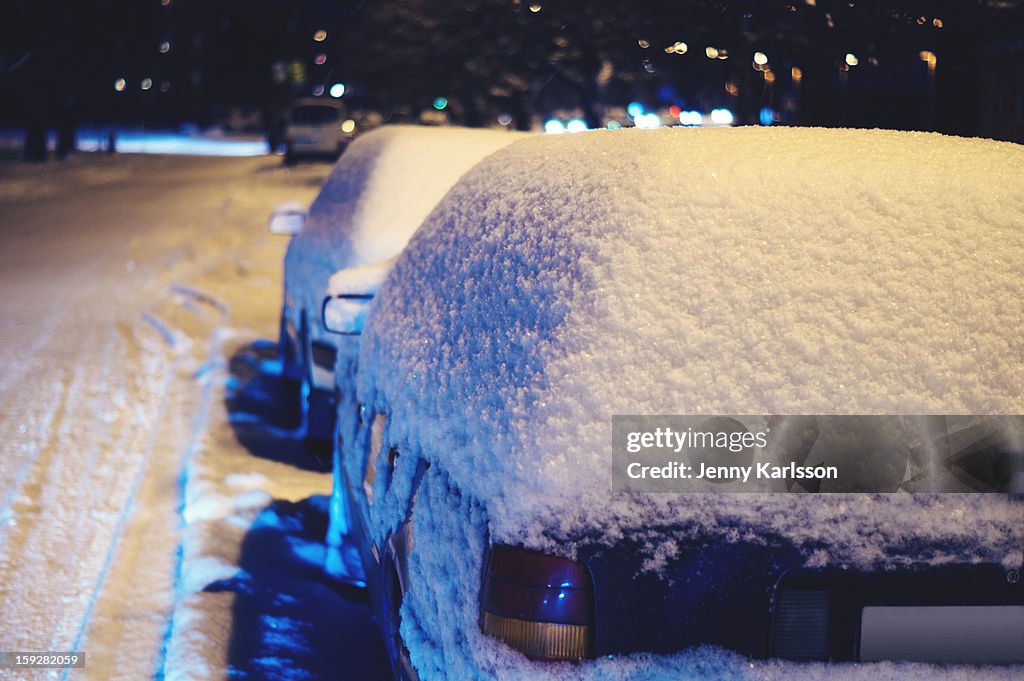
315,115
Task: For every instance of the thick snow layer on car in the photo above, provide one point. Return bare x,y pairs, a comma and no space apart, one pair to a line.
722,271
361,279
739,271
376,196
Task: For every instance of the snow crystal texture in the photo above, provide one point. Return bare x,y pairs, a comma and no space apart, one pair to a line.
376,196
728,271
689,271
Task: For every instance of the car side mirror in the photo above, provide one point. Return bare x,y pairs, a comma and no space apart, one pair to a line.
287,219
345,314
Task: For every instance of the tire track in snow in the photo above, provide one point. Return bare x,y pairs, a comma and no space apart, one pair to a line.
14,488
79,499
128,507
16,366
107,255
63,531
29,481
159,483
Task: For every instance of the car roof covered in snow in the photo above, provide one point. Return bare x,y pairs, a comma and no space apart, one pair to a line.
705,271
377,194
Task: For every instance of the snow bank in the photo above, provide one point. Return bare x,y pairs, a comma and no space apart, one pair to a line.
374,199
742,271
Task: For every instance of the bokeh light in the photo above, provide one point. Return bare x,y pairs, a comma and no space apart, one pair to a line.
721,117
553,127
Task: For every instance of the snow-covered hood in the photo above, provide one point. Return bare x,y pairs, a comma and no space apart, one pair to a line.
711,271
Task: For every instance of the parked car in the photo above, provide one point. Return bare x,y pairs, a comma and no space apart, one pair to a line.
375,197
565,280
317,128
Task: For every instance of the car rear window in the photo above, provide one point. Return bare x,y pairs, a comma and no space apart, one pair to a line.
315,115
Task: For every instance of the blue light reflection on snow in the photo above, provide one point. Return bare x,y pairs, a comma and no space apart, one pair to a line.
178,143
187,142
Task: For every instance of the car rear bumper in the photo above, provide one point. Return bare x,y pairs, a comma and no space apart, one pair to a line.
946,614
316,147
761,602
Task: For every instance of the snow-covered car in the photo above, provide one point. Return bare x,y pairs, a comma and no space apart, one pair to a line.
316,128
375,197
566,280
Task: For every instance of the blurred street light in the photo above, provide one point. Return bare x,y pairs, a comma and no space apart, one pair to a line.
928,57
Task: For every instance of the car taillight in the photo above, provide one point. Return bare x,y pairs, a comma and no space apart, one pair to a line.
541,605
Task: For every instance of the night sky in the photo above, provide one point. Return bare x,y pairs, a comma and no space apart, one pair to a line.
947,66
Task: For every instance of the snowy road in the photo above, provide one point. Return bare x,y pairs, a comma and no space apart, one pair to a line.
126,494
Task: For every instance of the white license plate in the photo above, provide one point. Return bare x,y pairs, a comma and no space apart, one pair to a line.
943,634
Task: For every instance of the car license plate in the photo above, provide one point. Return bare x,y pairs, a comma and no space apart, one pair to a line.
943,634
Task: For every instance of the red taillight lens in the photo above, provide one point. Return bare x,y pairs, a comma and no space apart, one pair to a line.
539,604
